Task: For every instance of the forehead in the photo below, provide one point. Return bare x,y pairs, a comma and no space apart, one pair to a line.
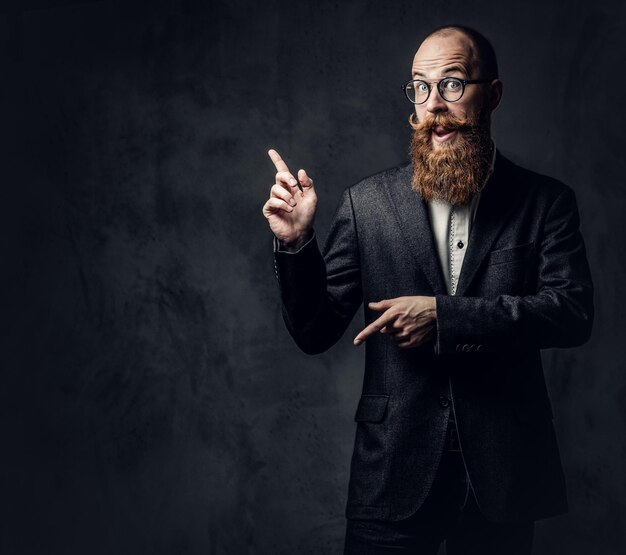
444,52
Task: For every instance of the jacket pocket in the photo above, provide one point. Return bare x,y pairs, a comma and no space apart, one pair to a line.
512,254
370,459
372,408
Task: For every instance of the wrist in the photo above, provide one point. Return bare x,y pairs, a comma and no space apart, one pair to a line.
299,242
432,307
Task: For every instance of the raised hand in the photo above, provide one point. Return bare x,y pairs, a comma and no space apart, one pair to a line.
409,321
289,211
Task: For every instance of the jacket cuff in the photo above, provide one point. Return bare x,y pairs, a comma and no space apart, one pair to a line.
298,267
279,246
449,340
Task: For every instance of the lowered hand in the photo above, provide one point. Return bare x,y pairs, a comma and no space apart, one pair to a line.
409,321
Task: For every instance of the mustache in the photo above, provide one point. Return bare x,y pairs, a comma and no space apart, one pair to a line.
447,120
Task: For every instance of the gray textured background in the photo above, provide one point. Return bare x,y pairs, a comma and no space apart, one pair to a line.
150,398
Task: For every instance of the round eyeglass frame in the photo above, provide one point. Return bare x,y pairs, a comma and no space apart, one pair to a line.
464,83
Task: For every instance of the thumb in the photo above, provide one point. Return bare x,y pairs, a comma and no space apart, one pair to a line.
304,179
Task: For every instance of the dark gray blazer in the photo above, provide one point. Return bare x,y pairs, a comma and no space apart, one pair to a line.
525,285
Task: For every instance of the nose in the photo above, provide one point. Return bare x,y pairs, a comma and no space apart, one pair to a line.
435,103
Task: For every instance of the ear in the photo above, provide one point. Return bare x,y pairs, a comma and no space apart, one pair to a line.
495,94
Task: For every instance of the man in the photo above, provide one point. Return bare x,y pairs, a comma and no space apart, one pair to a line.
467,266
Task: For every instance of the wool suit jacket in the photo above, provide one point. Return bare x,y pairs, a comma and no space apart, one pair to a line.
524,286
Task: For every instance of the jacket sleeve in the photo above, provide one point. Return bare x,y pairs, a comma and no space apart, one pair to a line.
559,314
321,293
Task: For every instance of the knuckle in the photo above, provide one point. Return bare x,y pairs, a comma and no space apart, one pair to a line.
278,191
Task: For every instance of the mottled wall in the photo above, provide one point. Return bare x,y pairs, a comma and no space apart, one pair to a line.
151,400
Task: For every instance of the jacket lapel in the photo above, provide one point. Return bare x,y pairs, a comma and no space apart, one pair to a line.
497,202
412,216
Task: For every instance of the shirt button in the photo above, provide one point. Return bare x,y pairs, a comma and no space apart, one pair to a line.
444,401
460,244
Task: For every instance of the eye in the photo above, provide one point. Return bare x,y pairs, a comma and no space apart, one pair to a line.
421,87
452,85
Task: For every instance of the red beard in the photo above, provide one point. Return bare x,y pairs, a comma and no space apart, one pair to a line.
451,172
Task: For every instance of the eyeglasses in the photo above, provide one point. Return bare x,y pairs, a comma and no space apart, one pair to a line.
451,89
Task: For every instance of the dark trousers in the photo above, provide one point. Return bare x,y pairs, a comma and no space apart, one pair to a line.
448,514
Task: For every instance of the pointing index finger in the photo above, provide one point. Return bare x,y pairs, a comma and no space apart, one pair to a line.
278,161
375,326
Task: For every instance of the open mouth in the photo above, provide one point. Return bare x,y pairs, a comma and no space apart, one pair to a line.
442,134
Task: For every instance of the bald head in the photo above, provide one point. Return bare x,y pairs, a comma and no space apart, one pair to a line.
480,52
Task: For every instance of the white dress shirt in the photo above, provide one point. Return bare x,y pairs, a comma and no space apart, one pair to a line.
451,225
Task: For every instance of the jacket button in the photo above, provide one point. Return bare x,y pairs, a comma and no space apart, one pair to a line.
444,401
